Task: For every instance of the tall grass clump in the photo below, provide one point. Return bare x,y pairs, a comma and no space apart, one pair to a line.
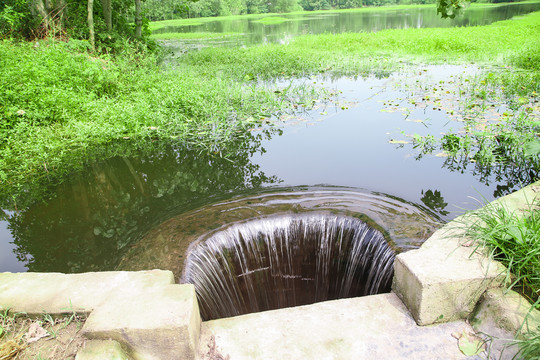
529,348
514,240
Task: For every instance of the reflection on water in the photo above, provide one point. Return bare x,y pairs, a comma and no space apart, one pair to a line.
434,201
356,141
248,31
107,217
93,216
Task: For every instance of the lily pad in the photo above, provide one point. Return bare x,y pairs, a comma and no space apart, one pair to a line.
394,141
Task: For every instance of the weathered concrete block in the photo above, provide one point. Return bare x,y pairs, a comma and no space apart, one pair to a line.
505,310
369,327
56,293
101,350
444,282
159,323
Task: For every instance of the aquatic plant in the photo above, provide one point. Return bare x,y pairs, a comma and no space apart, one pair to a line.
62,108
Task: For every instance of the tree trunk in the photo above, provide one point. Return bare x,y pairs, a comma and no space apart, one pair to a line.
138,19
107,13
91,35
39,6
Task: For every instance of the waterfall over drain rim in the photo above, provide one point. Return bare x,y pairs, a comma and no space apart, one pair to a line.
287,260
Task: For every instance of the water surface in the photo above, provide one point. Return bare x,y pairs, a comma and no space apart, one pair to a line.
98,216
250,31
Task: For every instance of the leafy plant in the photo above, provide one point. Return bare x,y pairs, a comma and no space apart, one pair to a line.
451,8
514,239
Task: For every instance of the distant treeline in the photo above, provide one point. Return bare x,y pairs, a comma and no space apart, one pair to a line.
156,10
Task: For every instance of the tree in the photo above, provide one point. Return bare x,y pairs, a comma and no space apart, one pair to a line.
138,19
283,6
91,34
451,8
80,19
107,13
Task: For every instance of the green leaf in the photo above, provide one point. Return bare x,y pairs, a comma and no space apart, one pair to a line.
532,148
470,345
515,232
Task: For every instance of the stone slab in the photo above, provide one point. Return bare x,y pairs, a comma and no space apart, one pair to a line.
156,323
372,327
101,350
443,283
56,293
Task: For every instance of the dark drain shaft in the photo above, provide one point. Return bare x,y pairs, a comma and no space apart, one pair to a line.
288,260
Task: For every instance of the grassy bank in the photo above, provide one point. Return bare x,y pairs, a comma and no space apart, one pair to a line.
513,238
61,108
193,35
350,53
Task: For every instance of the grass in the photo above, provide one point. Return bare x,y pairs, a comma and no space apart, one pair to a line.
492,43
154,25
514,240
529,348
351,53
61,108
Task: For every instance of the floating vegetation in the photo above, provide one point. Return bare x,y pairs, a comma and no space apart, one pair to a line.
492,126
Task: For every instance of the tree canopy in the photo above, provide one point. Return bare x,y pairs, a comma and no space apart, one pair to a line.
90,20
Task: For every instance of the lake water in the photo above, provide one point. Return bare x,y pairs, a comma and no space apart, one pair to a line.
101,219
250,31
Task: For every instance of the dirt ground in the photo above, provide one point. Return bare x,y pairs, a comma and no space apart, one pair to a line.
41,338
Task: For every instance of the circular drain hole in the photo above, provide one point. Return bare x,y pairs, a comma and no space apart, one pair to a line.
288,260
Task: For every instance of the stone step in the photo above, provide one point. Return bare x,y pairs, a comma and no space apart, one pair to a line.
371,327
144,311
57,293
157,323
